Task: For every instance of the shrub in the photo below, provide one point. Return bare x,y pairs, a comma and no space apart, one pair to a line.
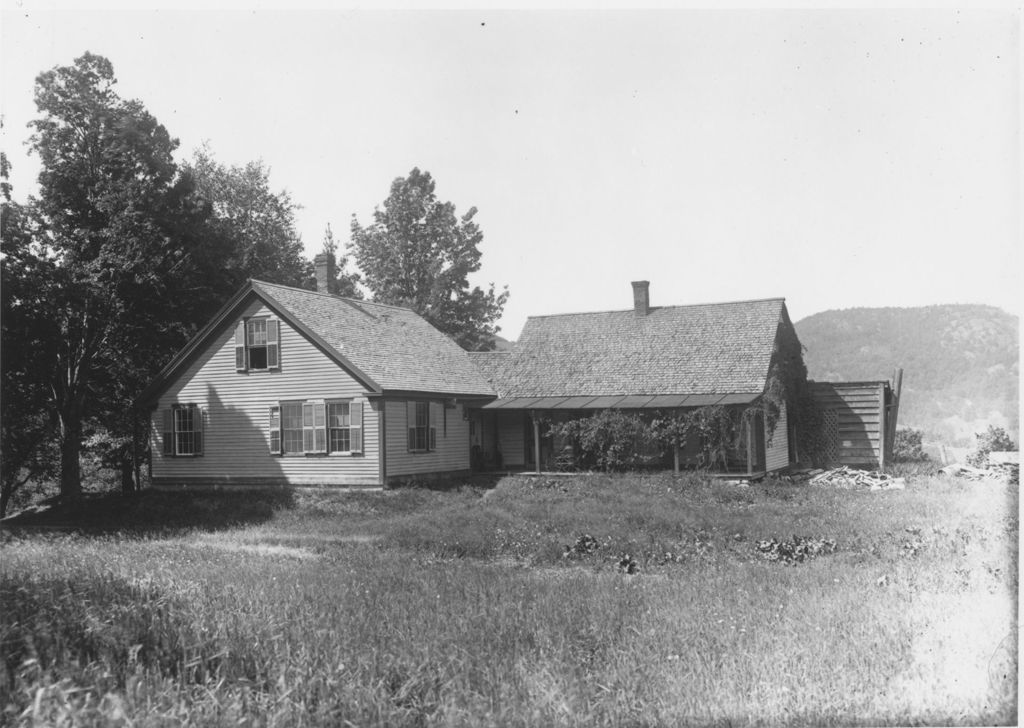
994,439
611,441
907,447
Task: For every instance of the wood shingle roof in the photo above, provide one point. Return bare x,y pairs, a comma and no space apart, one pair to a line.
719,348
393,346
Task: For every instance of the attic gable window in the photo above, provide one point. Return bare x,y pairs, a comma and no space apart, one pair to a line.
257,344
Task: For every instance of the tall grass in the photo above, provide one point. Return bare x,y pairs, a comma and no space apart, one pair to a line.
416,608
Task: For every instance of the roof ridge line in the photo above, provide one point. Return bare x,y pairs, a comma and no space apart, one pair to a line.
656,308
347,299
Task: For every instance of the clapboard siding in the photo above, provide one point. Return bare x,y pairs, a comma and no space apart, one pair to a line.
511,438
236,405
859,416
777,452
451,455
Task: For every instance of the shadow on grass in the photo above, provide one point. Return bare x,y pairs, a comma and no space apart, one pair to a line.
479,481
151,512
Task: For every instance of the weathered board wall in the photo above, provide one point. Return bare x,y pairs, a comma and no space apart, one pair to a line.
854,416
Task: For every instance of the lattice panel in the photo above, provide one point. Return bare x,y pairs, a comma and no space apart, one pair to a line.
830,432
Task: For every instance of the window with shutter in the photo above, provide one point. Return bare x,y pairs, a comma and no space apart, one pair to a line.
291,427
308,427
418,416
258,344
345,427
183,432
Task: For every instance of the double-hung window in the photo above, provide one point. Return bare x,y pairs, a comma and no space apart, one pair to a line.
421,418
291,427
316,427
257,344
183,431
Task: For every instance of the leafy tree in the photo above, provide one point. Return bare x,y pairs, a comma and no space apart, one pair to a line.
417,253
908,447
343,283
994,439
121,266
257,223
26,429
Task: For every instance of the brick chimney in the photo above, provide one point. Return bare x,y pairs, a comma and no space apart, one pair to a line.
641,298
324,272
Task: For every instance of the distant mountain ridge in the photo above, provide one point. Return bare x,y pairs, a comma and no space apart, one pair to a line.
961,362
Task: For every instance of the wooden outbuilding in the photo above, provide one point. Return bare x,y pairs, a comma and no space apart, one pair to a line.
858,420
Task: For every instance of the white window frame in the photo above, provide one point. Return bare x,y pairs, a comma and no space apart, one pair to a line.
183,431
313,429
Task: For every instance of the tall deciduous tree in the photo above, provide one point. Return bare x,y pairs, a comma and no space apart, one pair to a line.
26,429
417,253
343,282
123,266
258,223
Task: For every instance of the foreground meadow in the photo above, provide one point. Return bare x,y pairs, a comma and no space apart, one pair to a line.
513,606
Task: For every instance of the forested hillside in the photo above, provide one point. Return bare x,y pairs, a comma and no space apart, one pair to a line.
961,362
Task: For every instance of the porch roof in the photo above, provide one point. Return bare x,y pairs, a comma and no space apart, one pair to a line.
621,401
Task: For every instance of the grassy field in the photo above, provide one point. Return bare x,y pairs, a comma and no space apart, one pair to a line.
491,607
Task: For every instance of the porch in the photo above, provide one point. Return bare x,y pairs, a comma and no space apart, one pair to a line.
515,435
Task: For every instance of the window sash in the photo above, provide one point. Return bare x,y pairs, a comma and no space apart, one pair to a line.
291,427
256,332
339,422
183,431
257,344
420,431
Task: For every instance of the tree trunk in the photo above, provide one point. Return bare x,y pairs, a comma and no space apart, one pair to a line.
6,491
127,471
70,447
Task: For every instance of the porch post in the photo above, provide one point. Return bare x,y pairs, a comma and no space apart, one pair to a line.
750,446
536,440
675,457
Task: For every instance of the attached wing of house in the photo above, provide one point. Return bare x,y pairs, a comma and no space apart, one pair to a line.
288,386
647,358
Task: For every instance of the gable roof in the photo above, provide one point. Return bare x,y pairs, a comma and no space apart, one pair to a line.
387,348
716,348
395,346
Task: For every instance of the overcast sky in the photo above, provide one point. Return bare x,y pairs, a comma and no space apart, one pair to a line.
836,158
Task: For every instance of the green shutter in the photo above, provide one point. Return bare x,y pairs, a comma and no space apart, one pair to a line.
273,344
308,444
169,431
197,423
434,415
319,427
240,364
355,411
410,419
275,430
